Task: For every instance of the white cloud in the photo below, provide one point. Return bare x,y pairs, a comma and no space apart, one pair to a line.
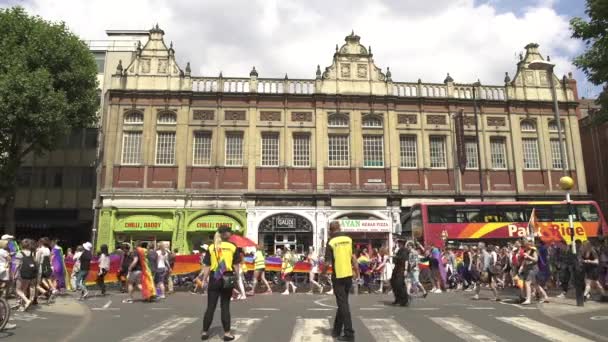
417,39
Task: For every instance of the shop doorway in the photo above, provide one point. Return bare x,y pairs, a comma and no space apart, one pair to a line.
279,230
197,239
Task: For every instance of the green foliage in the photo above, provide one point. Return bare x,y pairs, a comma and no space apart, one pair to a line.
594,62
48,85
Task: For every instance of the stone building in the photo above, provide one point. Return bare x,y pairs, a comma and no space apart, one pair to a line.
278,158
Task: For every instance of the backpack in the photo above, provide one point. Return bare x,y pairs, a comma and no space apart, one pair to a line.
28,267
46,269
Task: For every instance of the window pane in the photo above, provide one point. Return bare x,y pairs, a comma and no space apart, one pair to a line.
372,121
167,118
587,213
165,148
437,147
511,214
530,154
234,149
556,158
338,120
87,177
134,118
131,148
270,149
408,149
373,151
528,126
498,153
442,214
338,150
100,60
201,149
301,150
470,147
24,176
75,139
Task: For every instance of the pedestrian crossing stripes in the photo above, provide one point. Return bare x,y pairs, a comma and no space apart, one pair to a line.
387,330
465,330
545,331
162,331
380,329
311,329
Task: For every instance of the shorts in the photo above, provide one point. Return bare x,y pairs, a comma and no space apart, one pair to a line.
260,270
414,277
288,275
159,276
134,277
529,275
591,272
314,269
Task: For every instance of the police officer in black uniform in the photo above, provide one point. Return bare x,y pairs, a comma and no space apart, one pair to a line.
398,277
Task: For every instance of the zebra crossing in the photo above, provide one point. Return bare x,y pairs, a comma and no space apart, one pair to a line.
379,329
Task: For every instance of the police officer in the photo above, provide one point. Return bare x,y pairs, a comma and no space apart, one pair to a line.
398,277
221,264
339,254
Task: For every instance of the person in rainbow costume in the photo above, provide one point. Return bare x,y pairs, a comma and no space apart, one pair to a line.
365,270
140,275
60,274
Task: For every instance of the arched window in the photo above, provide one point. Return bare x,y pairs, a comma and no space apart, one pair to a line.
553,126
337,120
528,126
167,118
372,121
134,117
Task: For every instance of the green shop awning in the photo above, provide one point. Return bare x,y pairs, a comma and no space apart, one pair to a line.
210,223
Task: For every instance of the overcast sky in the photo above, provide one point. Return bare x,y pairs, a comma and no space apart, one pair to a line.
470,39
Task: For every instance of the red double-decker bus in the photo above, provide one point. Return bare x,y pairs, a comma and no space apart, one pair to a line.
432,223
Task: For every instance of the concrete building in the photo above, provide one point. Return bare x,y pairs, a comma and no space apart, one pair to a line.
279,158
594,138
56,191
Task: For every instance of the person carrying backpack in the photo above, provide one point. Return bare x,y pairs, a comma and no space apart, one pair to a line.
25,274
45,271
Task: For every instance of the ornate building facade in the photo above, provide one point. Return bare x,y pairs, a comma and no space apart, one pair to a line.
279,158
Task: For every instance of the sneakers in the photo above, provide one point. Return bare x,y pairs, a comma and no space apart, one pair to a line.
526,302
285,293
127,301
468,289
330,292
561,296
437,291
476,297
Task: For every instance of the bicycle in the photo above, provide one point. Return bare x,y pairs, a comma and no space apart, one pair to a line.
5,308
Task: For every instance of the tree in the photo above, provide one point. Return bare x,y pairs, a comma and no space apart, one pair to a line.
594,62
48,85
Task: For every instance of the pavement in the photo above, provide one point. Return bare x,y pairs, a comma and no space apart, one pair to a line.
440,317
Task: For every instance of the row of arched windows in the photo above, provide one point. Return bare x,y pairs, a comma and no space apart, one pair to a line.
342,120
137,118
530,126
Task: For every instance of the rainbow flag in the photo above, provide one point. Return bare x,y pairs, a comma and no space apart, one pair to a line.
59,269
363,262
148,291
13,248
221,264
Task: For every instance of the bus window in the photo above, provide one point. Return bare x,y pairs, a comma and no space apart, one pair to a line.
560,213
543,213
441,214
587,213
511,213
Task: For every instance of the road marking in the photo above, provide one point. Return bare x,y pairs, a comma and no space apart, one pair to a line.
105,307
424,309
162,331
311,329
319,309
265,309
383,329
543,330
481,308
599,318
319,302
25,316
240,327
370,309
465,330
519,306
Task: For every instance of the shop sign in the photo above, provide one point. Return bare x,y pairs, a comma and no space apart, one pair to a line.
213,222
285,222
365,226
140,223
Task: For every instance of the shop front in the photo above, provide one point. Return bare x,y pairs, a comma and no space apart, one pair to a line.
282,229
201,228
151,228
367,233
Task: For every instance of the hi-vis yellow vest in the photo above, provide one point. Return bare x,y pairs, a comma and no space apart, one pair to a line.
342,248
227,254
260,260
